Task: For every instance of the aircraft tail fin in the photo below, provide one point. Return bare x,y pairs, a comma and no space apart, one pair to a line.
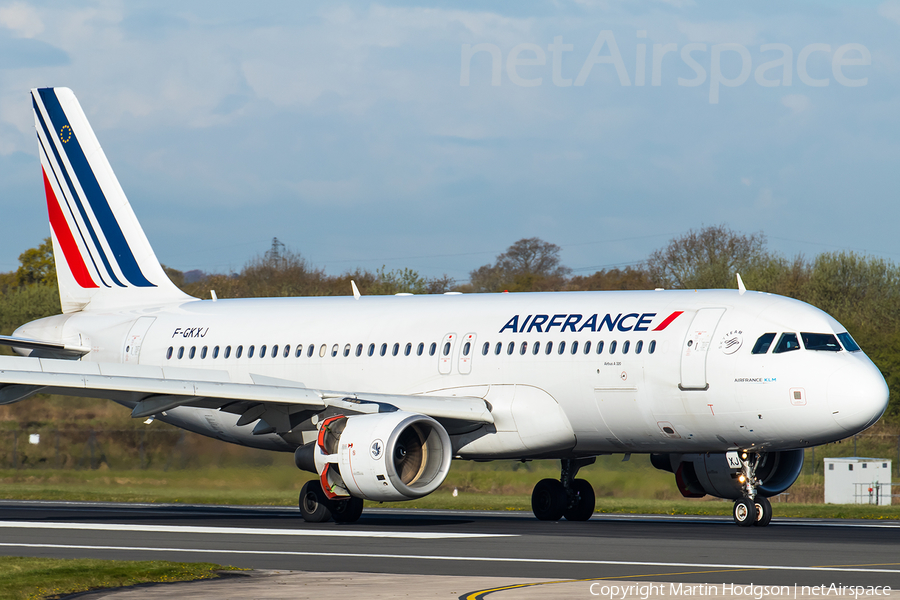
103,258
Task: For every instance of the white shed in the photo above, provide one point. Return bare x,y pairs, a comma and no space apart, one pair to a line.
857,480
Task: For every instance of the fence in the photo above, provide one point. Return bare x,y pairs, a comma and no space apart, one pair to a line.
875,445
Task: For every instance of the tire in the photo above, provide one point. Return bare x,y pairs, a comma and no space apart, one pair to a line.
548,500
744,512
763,511
585,501
314,505
347,511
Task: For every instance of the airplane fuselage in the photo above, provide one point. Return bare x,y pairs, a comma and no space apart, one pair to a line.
565,374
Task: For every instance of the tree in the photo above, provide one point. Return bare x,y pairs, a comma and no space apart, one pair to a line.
629,278
530,264
36,265
708,258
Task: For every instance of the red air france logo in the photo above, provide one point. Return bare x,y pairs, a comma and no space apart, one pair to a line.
576,323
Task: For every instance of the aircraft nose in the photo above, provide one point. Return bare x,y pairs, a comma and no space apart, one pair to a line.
857,396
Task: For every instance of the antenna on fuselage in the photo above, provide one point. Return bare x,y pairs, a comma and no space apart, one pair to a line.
741,287
356,293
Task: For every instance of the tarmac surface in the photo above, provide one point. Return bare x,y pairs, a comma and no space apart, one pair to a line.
393,553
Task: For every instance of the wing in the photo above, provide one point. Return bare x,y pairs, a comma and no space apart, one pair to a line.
273,402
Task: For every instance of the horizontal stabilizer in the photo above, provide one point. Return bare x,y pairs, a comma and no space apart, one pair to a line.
45,349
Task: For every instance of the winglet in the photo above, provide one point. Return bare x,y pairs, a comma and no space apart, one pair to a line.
355,289
741,288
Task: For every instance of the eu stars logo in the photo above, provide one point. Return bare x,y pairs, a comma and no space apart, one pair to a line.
65,134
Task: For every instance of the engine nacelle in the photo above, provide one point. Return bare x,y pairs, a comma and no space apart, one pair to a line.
699,474
383,457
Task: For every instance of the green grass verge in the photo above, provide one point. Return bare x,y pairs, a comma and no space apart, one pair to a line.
631,487
34,578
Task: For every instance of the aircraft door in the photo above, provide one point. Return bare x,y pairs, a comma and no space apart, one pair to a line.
445,354
695,348
135,339
467,353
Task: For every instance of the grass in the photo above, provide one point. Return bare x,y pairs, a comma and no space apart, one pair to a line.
27,578
631,488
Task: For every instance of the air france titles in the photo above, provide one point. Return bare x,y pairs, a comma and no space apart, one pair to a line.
578,323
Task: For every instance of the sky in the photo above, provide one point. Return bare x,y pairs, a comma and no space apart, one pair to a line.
434,135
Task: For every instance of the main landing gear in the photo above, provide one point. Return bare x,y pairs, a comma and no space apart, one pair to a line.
752,509
316,507
566,497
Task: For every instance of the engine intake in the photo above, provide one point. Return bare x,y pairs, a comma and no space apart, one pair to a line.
383,457
699,474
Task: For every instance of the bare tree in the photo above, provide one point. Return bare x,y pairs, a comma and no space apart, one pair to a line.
708,258
530,264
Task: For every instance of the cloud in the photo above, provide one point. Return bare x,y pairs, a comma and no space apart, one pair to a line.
27,53
21,19
796,102
890,10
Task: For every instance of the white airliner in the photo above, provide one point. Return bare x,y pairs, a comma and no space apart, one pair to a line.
376,395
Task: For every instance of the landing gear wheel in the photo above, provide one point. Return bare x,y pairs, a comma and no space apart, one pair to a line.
314,505
548,500
744,512
763,511
584,504
347,511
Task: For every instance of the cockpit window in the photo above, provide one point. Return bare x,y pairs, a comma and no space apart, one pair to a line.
820,341
763,343
849,344
787,343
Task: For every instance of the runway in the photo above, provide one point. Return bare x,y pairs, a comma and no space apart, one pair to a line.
470,543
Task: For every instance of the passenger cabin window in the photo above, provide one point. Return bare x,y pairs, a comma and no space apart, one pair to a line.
787,343
334,351
169,353
562,347
524,348
227,351
763,343
421,348
849,344
396,349
181,352
498,348
193,351
432,348
262,351
299,350
575,347
536,348
250,351
820,341
346,350
549,348
310,350
652,347
612,347
371,350
383,349
484,349
600,347
510,348
625,345
203,352
467,347
239,352
359,348
447,349
587,347
275,351
638,346
287,351
408,350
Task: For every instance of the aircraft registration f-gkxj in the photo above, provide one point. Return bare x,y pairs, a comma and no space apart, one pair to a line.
376,395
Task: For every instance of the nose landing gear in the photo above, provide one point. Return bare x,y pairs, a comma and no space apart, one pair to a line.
752,509
553,499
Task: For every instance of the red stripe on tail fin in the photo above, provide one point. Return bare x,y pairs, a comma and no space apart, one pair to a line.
66,241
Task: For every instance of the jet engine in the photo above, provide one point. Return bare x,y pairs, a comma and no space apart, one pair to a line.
382,457
699,474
